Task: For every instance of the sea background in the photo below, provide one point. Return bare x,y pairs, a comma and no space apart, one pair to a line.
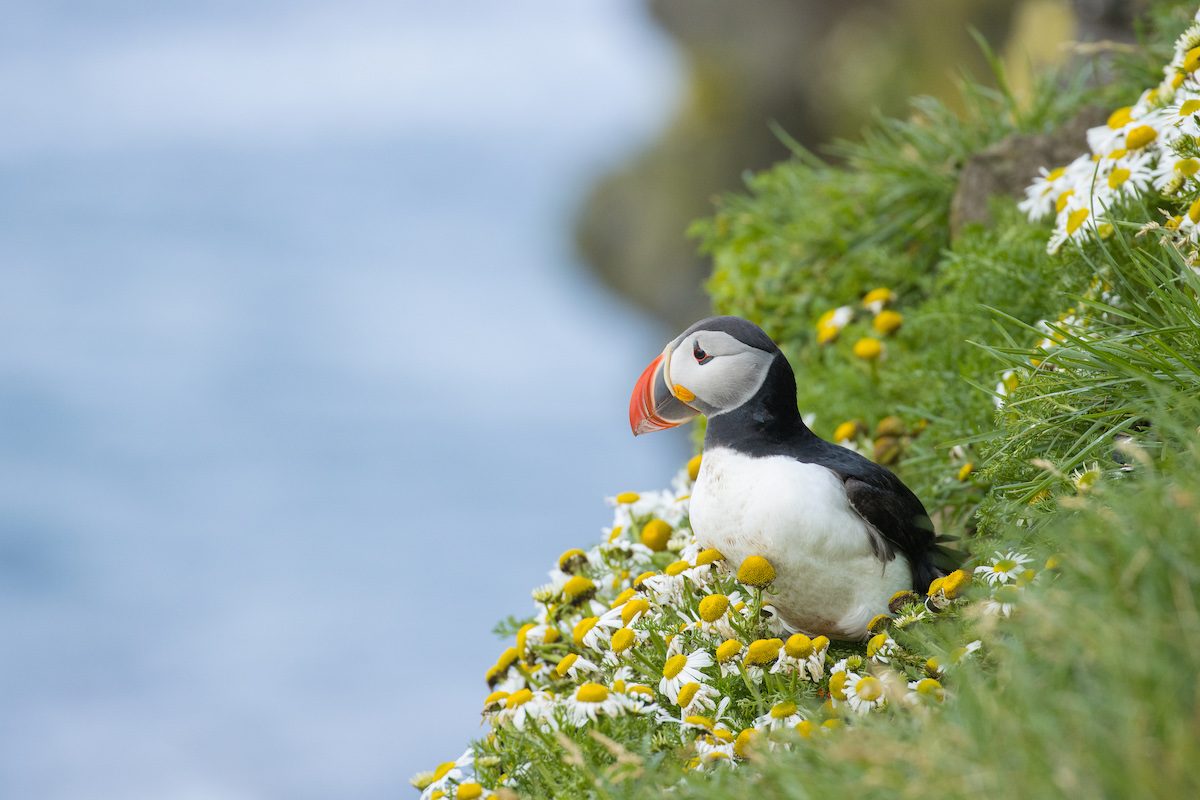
302,384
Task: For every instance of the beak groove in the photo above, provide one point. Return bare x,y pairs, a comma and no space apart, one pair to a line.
653,406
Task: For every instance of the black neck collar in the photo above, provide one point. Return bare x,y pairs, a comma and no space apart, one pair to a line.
768,422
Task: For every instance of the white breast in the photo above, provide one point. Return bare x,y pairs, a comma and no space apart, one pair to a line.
796,515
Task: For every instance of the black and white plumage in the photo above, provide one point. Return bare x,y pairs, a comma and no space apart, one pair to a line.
843,533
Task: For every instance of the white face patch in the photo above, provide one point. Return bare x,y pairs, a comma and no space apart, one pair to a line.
727,375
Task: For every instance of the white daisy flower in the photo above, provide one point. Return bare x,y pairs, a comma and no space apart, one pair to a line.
432,782
591,701
525,706
1004,567
881,648
1002,603
803,656
782,715
680,669
574,665
865,693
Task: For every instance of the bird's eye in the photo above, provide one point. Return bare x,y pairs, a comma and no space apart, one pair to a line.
701,356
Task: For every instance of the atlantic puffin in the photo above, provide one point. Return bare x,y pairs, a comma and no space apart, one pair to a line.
843,533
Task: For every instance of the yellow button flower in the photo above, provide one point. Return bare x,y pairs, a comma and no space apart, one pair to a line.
868,348
756,571
655,535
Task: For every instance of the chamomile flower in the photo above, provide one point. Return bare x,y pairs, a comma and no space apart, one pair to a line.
1002,602
525,706
864,693
436,781
784,714
881,648
591,701
1004,567
803,656
683,669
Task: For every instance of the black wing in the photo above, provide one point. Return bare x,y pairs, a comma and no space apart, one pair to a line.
897,519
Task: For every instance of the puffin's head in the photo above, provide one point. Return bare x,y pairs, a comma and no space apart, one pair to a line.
714,366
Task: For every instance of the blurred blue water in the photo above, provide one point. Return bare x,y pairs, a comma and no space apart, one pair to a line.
301,387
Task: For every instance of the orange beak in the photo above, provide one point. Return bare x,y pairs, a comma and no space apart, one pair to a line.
653,406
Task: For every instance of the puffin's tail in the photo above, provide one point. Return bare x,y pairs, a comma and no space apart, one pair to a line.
939,560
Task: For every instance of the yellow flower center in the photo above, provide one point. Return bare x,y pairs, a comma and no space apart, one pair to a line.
1055,174
656,534
582,628
798,646
578,588
820,643
637,582
1120,118
782,710
633,608
743,742
1193,213
625,498
888,322
728,649
1189,107
1191,61
1061,202
708,556
837,685
1004,566
623,639
639,689
1188,167
622,598
877,642
522,635
827,333
845,431
723,734
518,698
616,531
713,607
494,697
696,719
1075,219
506,659
868,688
592,693
442,770
693,467
687,693
469,791
552,635
756,571
955,582
933,666
965,470
571,559
868,348
1117,177
762,652
880,295
676,567
1139,137
878,623
929,687
674,666
805,728
1117,154
831,724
